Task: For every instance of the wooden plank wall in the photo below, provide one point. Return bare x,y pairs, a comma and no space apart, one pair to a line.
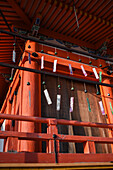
80,113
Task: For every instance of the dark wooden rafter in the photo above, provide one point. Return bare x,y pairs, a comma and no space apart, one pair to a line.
103,8
94,28
11,19
57,13
34,5
88,15
45,9
59,24
10,13
97,36
84,4
57,19
63,22
105,12
78,4
72,29
47,20
28,7
20,12
89,5
110,15
95,7
84,23
106,33
66,24
70,23
37,13
23,4
84,26
50,12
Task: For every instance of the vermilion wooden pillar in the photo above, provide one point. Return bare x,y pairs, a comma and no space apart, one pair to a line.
31,104
7,124
8,111
107,98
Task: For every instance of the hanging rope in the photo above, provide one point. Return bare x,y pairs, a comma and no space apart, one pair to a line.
75,16
85,90
58,104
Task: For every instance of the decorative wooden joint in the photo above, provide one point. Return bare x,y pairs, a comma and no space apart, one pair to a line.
52,129
52,122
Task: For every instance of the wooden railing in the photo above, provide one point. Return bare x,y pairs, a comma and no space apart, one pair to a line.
52,139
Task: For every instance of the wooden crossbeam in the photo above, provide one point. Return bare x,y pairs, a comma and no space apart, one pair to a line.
62,138
80,139
25,136
56,35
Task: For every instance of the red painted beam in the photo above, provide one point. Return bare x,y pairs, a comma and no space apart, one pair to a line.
26,157
59,121
81,139
71,158
25,135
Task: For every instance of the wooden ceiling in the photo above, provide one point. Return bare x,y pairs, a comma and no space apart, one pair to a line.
57,20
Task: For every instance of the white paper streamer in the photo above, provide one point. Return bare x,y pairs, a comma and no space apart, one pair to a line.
12,70
102,108
83,70
70,68
47,97
2,140
58,102
54,66
95,73
42,62
71,104
14,56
